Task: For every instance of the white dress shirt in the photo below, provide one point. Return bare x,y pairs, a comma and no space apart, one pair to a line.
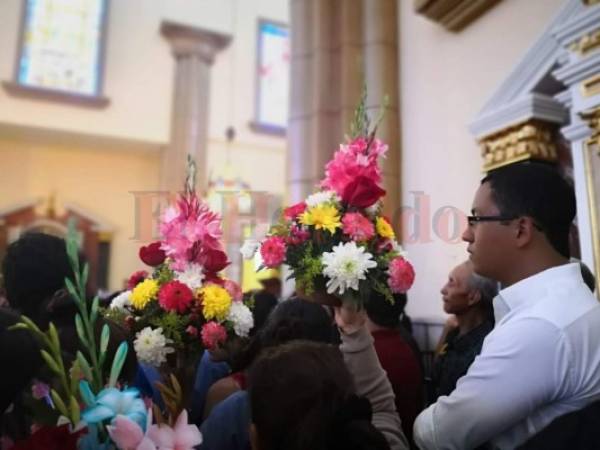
542,360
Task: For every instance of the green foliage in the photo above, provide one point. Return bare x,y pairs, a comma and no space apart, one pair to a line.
171,324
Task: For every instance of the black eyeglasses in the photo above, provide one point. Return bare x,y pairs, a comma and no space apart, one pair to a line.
472,220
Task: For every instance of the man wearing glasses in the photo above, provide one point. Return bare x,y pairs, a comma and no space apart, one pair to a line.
542,359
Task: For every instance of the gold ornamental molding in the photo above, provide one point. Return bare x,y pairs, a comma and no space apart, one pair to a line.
587,43
454,15
591,2
592,118
591,86
533,139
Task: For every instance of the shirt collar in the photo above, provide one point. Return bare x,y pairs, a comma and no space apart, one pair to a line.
532,288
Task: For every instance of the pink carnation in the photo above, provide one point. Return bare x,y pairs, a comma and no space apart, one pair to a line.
272,251
401,275
297,235
291,212
234,290
352,161
358,227
175,296
213,334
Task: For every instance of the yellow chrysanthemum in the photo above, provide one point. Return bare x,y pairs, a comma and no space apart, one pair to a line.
143,293
216,302
322,217
384,229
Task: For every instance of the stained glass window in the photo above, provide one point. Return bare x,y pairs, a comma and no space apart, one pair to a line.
273,75
62,45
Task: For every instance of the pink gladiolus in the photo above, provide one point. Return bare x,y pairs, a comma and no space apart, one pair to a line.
187,229
181,437
401,275
272,251
128,435
358,227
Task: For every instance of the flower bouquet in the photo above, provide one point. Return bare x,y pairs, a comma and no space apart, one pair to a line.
337,243
93,410
184,305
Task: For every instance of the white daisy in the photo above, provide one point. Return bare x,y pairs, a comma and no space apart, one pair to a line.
346,266
121,301
151,346
321,197
241,317
249,248
192,276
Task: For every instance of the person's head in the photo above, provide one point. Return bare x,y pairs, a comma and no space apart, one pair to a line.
34,269
272,286
302,397
522,214
467,291
384,313
290,320
264,303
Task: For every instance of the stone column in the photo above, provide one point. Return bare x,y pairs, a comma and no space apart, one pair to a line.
194,50
381,73
326,75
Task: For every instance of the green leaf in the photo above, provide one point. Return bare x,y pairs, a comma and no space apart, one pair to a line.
85,274
81,330
60,405
85,366
117,364
72,246
54,337
94,313
75,374
104,338
71,288
50,362
74,409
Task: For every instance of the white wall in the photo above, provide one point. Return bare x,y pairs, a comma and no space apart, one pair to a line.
445,79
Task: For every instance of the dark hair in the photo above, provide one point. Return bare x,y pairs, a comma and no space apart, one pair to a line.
34,269
264,302
290,320
302,397
538,191
382,312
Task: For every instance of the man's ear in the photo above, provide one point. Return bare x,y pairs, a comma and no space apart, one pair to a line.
524,231
473,297
253,437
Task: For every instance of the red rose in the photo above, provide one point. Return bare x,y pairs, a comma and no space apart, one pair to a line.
362,192
136,278
213,260
291,212
152,254
175,296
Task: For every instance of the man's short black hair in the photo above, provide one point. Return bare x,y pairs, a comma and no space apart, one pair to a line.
383,313
536,190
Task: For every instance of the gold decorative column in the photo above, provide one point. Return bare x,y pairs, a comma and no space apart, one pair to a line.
532,139
194,50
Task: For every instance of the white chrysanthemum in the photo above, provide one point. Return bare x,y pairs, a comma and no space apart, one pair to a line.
121,301
192,276
151,346
249,248
241,317
321,197
346,266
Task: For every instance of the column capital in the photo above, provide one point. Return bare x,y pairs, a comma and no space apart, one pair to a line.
187,40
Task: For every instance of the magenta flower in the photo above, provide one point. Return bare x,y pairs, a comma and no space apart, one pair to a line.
297,235
358,227
189,229
272,251
213,334
352,161
401,275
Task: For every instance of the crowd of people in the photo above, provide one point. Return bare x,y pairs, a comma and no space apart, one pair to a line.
517,366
